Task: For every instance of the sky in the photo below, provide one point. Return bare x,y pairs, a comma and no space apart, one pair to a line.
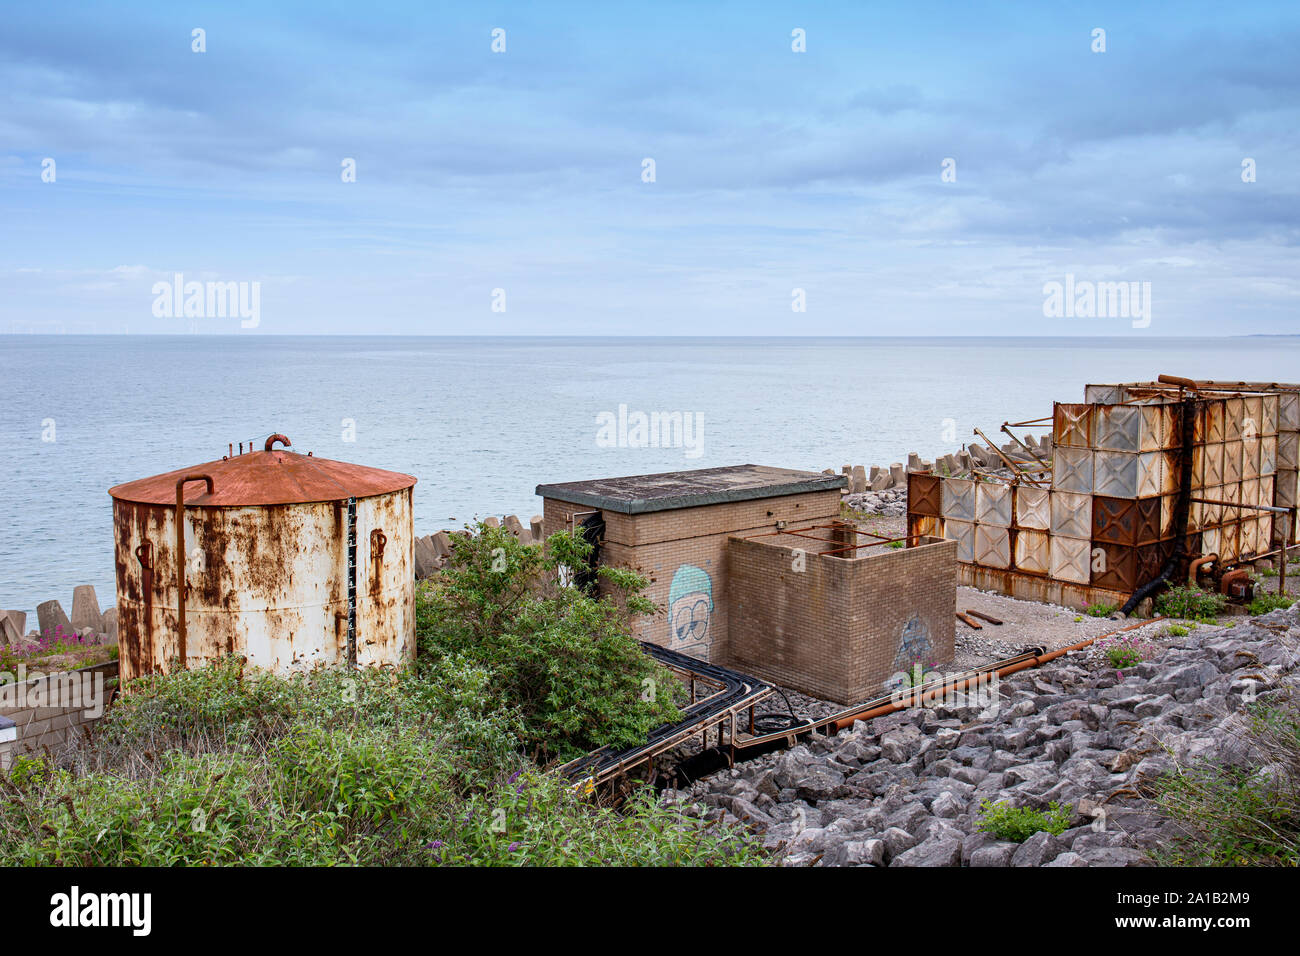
917,169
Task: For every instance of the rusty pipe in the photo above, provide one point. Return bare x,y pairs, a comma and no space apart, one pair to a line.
180,558
1185,383
277,437
1197,565
1016,664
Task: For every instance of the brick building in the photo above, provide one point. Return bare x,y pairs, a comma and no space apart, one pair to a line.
719,547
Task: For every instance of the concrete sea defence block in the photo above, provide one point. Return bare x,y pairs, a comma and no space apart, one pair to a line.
539,528
858,484
85,609
426,557
17,618
10,636
50,616
516,527
110,626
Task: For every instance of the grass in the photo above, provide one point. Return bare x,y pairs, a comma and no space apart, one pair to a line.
1100,610
1234,816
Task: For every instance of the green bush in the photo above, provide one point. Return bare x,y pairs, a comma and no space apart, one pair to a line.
331,768
565,659
1240,816
1100,610
1018,824
1191,604
1263,603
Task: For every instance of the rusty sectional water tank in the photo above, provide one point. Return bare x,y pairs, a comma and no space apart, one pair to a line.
289,560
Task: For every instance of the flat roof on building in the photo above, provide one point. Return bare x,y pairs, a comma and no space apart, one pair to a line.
637,494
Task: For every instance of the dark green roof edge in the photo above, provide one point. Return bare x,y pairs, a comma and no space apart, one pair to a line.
638,506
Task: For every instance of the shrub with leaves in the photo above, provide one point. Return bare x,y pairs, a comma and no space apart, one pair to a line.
1122,651
1263,603
1191,603
565,659
229,766
1018,824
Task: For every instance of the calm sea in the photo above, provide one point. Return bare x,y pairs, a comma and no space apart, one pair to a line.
481,421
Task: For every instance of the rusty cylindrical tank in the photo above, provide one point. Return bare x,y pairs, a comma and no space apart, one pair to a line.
290,560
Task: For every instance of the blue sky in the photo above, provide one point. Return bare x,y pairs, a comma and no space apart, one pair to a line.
775,170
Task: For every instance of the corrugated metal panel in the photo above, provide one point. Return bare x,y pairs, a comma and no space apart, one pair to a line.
1033,551
1072,425
1216,412
1125,521
1103,394
924,494
1115,566
1033,508
1071,514
1072,470
1229,540
963,532
1233,453
1250,458
1288,411
1287,492
992,546
993,504
1207,466
1268,455
958,499
1117,427
1116,474
1288,451
1269,423
1252,423
1071,559
1155,474
1151,559
1234,419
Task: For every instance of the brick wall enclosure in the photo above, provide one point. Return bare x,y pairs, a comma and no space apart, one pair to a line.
46,711
840,628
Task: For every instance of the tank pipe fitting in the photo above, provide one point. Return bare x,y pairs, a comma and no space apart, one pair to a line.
277,437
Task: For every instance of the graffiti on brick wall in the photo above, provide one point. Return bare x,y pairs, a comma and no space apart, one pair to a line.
911,662
690,610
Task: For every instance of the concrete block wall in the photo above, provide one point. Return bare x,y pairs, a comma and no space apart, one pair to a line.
47,710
